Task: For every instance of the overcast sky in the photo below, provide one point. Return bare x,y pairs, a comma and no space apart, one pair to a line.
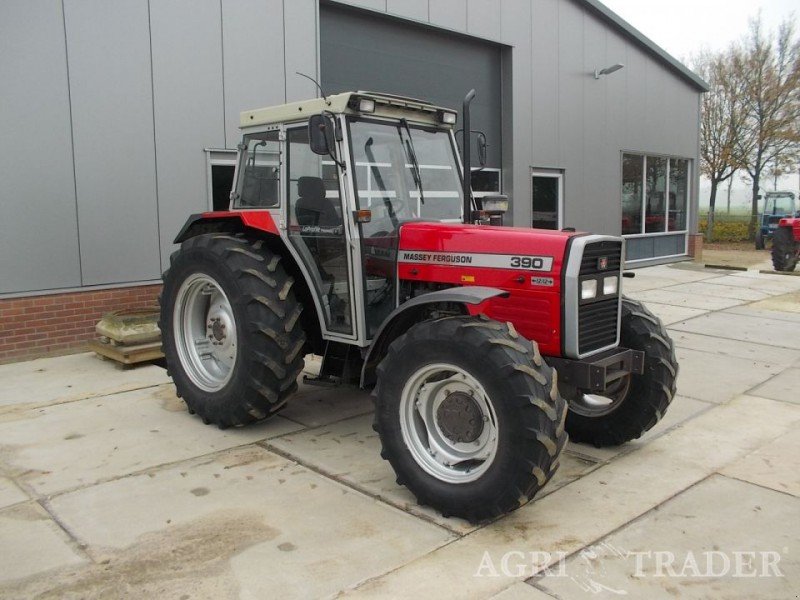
682,27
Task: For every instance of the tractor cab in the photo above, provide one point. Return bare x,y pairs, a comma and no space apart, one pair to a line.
777,205
340,175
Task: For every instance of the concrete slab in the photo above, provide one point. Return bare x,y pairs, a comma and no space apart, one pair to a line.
776,465
10,493
785,386
246,521
522,591
314,406
673,314
645,281
746,328
595,505
705,303
709,288
735,348
772,308
771,284
349,451
65,446
716,378
48,381
718,515
31,543
684,272
681,410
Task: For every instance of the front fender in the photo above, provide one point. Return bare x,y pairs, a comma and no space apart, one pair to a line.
408,313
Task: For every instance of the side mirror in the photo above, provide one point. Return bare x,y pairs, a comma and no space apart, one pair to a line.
321,134
482,149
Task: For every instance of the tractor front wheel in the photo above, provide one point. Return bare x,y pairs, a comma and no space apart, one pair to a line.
230,329
634,403
760,245
469,416
785,250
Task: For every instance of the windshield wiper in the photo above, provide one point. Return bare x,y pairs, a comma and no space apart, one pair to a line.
412,156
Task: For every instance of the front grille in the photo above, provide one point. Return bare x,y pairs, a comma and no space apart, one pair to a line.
598,319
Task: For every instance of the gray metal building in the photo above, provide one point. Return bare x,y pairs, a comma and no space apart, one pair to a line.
119,119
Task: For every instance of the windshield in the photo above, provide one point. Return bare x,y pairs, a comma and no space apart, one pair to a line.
385,177
780,204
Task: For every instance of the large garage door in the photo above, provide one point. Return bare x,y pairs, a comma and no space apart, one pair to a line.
361,51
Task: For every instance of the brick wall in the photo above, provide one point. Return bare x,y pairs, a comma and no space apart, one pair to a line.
62,323
696,246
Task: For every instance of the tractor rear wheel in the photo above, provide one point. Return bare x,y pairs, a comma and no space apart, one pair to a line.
785,250
230,329
469,416
635,403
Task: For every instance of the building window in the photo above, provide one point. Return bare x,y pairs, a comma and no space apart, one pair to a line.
655,192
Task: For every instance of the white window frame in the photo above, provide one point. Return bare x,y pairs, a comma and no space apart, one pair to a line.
555,174
216,157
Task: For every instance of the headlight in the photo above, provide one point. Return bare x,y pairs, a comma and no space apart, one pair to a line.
588,289
610,285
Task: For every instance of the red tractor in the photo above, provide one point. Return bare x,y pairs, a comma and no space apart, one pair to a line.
353,234
786,245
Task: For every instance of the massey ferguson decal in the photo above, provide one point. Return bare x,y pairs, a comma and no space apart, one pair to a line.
470,259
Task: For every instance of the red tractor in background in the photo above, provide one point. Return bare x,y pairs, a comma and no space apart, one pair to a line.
786,244
353,234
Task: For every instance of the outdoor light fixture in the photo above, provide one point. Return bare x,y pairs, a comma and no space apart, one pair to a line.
607,70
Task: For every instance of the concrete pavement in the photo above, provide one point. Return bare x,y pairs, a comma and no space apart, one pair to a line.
108,488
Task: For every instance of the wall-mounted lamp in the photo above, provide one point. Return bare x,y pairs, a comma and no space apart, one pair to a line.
607,70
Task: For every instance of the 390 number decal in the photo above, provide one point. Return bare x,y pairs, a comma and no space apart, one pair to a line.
535,263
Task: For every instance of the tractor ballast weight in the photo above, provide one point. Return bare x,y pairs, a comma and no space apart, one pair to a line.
351,235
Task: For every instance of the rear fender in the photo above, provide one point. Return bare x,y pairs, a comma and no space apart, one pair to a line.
793,224
227,221
414,311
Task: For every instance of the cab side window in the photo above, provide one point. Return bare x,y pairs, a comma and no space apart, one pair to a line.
260,166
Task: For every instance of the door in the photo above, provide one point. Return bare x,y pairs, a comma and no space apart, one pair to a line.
547,200
316,227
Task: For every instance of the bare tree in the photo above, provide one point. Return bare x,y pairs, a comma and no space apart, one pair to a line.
769,69
721,122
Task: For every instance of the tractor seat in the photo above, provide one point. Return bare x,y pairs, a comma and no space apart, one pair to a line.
312,207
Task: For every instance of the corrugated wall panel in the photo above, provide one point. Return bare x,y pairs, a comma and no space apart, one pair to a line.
187,84
38,221
451,14
253,51
112,110
410,9
301,24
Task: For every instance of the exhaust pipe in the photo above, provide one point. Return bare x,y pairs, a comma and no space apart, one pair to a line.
466,158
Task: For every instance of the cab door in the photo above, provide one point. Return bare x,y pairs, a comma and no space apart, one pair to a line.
316,228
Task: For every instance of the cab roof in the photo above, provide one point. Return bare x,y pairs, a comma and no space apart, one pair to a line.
386,105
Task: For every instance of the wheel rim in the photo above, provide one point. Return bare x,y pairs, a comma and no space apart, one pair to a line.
597,405
205,332
448,423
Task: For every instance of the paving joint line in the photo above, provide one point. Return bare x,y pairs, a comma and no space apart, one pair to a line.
356,487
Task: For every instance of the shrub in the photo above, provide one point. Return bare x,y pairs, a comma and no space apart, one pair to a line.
727,231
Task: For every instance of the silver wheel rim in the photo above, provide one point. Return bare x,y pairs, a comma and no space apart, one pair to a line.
204,330
597,405
433,449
